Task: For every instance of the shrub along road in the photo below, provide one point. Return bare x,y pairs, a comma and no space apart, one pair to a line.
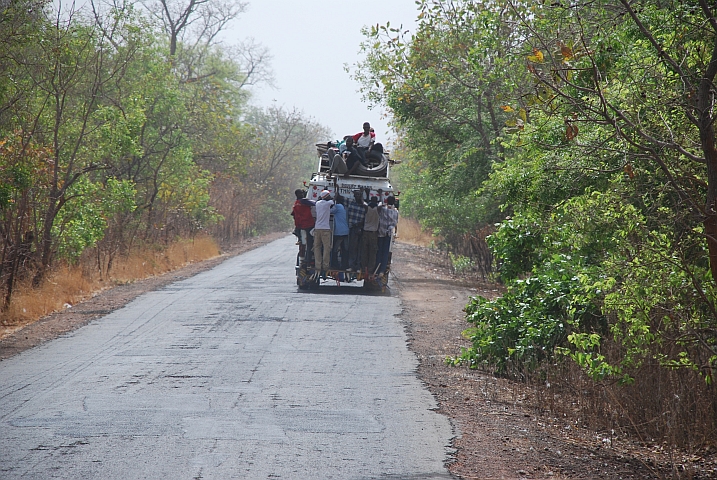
506,429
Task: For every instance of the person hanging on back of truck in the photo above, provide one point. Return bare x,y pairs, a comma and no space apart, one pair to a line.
369,239
322,234
356,213
304,223
340,250
387,224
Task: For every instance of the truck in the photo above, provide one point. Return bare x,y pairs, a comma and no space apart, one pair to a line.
375,177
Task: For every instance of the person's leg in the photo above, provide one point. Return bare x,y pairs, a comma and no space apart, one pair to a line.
318,244
364,249
373,157
343,251
334,252
368,251
308,239
383,244
326,243
354,247
338,165
362,153
372,248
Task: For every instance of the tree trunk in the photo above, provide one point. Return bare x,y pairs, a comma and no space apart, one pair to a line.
707,137
705,112
46,242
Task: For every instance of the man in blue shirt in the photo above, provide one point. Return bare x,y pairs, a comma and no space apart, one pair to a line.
340,253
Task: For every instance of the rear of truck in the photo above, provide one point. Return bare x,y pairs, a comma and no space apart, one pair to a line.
378,186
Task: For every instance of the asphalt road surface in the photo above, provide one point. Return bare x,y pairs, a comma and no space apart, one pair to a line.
233,373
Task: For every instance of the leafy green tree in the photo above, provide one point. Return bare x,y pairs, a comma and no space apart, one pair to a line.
445,87
282,157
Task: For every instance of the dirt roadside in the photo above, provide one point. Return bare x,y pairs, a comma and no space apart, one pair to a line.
499,433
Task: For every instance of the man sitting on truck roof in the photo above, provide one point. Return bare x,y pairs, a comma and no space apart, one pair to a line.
367,146
366,138
352,157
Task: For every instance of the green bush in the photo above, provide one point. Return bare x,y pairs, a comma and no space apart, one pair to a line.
518,331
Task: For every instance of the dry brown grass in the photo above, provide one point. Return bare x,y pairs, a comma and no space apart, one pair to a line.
410,231
152,262
67,285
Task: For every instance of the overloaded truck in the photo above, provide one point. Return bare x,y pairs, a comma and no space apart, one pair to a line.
374,178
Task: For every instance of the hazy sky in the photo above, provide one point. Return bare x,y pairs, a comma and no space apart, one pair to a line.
310,42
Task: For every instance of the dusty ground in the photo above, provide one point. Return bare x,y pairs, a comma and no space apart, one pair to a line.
500,431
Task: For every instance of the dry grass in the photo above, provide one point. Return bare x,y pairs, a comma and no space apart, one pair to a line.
67,285
410,231
151,262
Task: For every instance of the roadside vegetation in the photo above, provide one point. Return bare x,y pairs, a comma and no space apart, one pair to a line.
125,132
67,284
569,150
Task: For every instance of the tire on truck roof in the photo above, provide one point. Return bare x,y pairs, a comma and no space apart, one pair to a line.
379,170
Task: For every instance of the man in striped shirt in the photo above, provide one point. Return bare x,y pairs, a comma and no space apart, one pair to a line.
356,213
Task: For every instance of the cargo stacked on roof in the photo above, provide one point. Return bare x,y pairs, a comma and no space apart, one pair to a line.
374,168
374,177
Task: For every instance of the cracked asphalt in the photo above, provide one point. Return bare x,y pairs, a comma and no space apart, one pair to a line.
233,373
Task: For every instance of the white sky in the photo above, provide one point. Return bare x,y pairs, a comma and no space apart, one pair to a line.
310,42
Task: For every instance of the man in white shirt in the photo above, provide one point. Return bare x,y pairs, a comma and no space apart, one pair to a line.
322,233
364,141
366,138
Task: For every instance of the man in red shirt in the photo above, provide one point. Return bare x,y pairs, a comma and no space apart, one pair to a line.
365,139
304,222
366,144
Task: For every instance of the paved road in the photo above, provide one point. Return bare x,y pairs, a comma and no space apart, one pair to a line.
233,373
